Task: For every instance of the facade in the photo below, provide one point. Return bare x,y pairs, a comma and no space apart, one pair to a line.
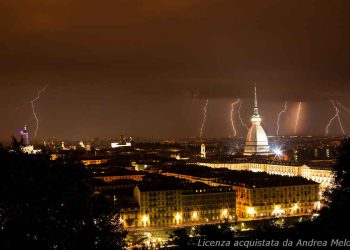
158,207
323,176
25,136
178,204
115,177
256,141
88,162
203,153
260,195
203,204
261,202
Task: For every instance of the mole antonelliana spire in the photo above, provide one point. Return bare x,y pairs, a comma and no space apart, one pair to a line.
256,142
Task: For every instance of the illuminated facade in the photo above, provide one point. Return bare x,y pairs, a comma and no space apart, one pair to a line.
26,148
323,176
158,207
25,136
188,205
208,204
266,196
256,141
260,202
203,153
88,162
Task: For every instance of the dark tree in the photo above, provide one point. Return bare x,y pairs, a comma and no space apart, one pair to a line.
51,205
335,217
180,238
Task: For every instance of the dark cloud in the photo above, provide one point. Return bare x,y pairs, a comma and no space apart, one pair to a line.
132,58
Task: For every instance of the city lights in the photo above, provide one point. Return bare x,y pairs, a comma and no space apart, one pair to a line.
194,215
277,211
224,213
278,152
178,217
251,211
145,219
105,111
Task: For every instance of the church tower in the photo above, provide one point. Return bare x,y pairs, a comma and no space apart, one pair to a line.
203,153
256,141
25,135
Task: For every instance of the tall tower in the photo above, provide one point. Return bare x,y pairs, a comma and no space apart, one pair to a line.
25,135
256,142
203,153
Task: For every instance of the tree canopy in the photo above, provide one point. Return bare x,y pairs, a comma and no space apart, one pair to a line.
52,205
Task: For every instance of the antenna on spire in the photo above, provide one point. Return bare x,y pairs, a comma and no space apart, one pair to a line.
255,102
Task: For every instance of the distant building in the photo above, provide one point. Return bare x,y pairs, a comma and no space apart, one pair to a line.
26,148
203,153
88,162
321,174
169,201
118,145
256,141
124,142
25,135
259,195
273,196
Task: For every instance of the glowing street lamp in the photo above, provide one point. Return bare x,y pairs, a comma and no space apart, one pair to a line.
194,215
178,217
277,210
224,213
145,219
278,152
251,211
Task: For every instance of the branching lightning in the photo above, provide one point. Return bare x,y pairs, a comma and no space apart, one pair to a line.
297,118
240,117
341,105
204,117
231,116
336,115
279,117
33,108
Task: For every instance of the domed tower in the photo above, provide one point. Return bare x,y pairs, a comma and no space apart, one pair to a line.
256,142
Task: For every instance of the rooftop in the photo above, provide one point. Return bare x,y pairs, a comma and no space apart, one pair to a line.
239,178
157,182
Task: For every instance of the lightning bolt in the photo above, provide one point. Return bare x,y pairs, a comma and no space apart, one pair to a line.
336,115
279,117
33,108
231,116
297,118
341,105
240,117
204,117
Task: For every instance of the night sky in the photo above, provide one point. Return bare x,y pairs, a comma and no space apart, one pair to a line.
145,68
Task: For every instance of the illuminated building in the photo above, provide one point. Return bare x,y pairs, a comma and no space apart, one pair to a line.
299,196
203,203
256,141
170,201
160,204
118,145
88,162
322,175
26,148
118,174
25,136
203,153
259,194
123,142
